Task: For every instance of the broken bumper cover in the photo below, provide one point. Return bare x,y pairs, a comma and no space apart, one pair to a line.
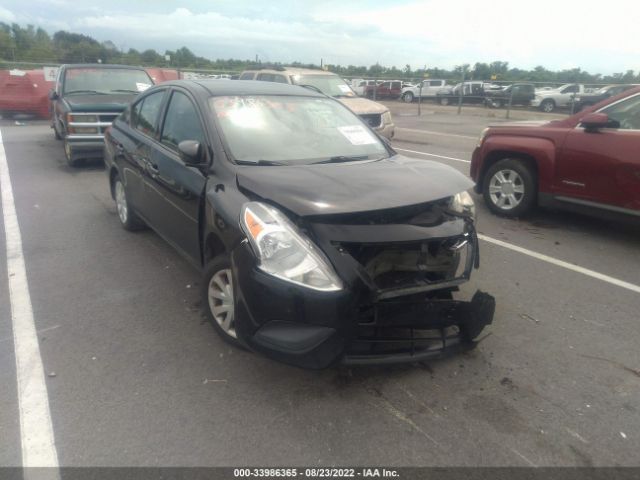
313,329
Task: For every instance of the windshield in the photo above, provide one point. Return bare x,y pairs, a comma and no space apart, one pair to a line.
331,85
105,80
292,130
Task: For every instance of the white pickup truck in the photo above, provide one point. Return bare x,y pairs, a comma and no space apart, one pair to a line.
429,90
549,100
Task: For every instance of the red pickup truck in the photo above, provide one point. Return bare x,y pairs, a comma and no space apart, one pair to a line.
587,162
388,89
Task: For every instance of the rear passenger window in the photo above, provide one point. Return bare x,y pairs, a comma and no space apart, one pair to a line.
279,79
265,77
144,115
181,122
246,76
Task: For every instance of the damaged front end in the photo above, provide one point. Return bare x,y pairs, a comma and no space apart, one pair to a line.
411,260
398,270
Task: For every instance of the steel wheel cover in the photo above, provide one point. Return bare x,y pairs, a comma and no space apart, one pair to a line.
506,189
121,202
221,304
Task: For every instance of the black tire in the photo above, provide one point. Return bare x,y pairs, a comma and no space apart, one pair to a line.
443,101
69,155
407,97
220,266
514,203
128,218
548,106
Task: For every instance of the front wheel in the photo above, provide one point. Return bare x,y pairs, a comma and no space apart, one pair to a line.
219,299
68,154
509,188
408,97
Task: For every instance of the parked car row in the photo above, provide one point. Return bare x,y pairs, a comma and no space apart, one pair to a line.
317,242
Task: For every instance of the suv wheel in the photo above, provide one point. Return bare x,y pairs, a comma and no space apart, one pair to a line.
219,300
408,97
548,106
128,218
509,187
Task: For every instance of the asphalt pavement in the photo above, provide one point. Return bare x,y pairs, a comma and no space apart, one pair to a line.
135,376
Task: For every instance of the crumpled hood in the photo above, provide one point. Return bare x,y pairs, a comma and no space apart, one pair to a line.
353,187
361,106
99,103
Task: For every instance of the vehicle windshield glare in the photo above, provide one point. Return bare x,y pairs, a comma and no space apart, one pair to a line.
292,130
331,85
106,80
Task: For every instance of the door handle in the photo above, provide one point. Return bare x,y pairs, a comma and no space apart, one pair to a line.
152,168
119,149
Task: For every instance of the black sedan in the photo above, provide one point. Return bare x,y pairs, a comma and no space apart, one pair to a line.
317,242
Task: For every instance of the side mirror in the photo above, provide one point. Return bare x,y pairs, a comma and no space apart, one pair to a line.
53,95
594,121
192,153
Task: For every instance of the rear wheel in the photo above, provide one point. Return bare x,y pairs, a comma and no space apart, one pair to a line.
128,218
548,106
509,187
408,97
55,132
443,101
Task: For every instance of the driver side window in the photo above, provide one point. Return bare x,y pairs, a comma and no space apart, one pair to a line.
625,114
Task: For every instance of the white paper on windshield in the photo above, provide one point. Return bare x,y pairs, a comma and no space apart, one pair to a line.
357,135
142,86
344,88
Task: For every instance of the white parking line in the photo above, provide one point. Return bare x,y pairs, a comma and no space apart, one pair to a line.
36,431
431,155
430,132
563,264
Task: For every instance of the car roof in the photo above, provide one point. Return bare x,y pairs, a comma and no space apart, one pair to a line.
215,87
101,65
291,71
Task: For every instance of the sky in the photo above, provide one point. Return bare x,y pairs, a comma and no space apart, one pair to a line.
595,36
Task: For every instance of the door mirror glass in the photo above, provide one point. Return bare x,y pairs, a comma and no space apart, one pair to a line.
595,120
191,153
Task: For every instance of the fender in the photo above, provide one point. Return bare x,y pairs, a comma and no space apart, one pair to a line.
540,150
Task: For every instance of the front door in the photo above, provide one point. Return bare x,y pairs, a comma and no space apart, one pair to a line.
173,191
603,166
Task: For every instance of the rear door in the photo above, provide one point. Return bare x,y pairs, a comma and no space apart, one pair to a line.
135,144
603,167
173,191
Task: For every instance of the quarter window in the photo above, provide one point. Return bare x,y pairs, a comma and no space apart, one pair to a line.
144,115
181,122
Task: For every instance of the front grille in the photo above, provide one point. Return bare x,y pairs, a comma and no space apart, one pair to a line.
104,120
407,330
374,120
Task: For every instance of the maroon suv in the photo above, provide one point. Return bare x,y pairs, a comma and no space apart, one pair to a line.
588,161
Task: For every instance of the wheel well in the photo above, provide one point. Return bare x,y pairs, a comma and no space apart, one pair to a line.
496,156
112,176
213,247
548,100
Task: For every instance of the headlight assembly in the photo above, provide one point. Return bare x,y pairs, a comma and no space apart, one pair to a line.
481,137
285,252
462,204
